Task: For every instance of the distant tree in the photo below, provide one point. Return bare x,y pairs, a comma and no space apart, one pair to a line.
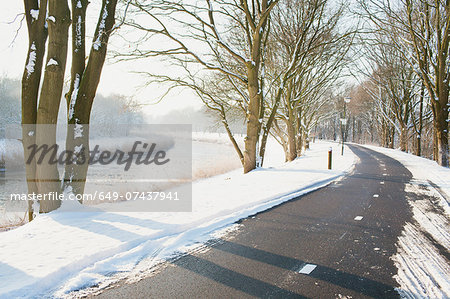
308,54
397,85
420,30
9,101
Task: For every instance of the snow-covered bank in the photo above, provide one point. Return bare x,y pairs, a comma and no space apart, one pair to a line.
62,252
423,170
423,271
212,154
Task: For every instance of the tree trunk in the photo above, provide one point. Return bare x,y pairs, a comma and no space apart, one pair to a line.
403,138
391,137
307,142
383,135
253,124
291,132
435,142
37,35
299,132
419,136
79,8
442,89
292,143
353,129
43,178
286,152
82,97
50,98
441,131
268,127
231,137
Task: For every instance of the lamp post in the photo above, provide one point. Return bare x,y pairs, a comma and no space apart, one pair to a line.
344,123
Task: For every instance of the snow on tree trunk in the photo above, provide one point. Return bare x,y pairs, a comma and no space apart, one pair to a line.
83,91
55,16
49,101
37,34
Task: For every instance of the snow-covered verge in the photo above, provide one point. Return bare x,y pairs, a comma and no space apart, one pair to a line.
221,138
62,252
423,247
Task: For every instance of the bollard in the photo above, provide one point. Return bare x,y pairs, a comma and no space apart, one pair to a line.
330,155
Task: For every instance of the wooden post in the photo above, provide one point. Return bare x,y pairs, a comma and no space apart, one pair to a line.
330,155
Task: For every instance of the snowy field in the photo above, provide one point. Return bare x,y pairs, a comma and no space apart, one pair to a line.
62,252
423,272
211,155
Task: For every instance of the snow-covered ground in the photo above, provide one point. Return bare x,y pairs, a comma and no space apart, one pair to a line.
423,270
61,252
212,154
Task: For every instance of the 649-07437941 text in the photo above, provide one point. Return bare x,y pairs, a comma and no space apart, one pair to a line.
102,196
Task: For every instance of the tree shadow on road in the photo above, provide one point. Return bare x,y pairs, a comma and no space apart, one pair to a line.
346,280
235,280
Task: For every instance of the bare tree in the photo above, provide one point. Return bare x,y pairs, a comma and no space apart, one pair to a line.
51,19
396,85
224,37
307,39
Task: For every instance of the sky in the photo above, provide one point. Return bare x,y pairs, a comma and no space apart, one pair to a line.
117,78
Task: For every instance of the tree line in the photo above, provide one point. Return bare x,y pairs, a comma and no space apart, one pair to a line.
270,63
278,66
406,69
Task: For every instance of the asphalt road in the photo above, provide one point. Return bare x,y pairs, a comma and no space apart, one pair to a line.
273,252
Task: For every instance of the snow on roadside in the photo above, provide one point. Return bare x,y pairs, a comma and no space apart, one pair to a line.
423,170
423,272
61,252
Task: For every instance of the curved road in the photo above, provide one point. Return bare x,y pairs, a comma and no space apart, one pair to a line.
331,243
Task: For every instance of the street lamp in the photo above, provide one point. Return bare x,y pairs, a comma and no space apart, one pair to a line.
344,123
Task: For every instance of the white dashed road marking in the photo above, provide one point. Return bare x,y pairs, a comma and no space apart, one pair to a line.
342,235
307,269
358,218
